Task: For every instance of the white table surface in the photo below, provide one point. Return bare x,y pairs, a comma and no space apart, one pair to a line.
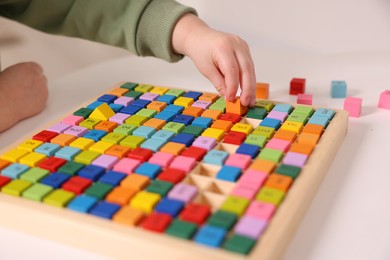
349,217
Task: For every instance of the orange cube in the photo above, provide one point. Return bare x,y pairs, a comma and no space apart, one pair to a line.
262,90
235,107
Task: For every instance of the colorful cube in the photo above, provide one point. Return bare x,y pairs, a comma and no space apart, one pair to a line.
353,106
297,86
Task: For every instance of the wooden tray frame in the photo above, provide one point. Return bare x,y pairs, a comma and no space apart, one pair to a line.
108,238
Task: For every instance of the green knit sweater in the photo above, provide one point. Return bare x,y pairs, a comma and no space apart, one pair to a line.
143,27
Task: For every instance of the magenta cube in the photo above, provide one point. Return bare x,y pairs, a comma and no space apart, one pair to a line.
305,99
353,106
384,100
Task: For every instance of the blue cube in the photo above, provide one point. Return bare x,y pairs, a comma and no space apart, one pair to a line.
82,203
166,98
105,209
228,173
95,135
148,169
68,153
107,98
248,149
216,157
186,139
202,122
55,180
140,103
193,94
91,172
210,236
169,206
270,122
174,108
144,131
112,177
130,110
183,119
338,89
94,104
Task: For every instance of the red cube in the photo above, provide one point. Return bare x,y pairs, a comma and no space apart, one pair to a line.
297,86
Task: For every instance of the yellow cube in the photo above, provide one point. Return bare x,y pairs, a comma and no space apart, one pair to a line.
292,126
32,159
82,143
102,112
101,146
243,128
86,157
159,90
214,133
30,145
145,201
14,155
183,101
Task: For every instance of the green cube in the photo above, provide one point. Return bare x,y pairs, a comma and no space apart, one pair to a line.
84,112
129,85
143,88
71,167
98,190
222,219
37,191
267,105
114,138
264,130
257,113
288,170
235,205
133,94
304,110
270,195
58,198
218,106
175,92
89,123
271,154
220,100
297,117
181,229
258,140
132,141
125,129
174,127
147,112
136,120
34,175
16,187
160,187
239,244
193,129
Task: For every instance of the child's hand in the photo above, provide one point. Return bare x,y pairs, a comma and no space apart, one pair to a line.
223,58
23,93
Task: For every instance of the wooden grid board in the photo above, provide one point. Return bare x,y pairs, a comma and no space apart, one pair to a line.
106,237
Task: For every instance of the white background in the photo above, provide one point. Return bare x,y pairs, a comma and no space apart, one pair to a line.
319,40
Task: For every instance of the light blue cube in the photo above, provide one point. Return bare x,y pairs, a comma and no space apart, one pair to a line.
338,89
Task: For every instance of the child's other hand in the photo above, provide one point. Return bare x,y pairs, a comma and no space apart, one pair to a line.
223,58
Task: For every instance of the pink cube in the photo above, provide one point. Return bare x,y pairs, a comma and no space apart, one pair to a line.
353,106
384,100
305,99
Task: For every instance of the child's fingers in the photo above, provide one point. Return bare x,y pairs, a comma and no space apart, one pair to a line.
216,78
247,78
229,68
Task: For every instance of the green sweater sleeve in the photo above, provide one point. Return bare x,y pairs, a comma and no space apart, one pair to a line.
143,27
